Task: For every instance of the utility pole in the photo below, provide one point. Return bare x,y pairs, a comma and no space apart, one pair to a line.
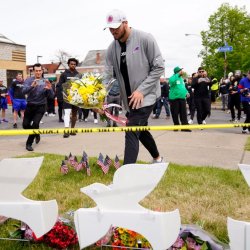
37,58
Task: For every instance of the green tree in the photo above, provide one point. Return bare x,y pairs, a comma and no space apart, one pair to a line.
231,25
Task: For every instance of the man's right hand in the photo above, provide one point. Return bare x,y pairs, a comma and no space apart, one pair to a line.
99,111
34,84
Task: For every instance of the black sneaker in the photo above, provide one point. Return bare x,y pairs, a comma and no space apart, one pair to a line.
66,135
29,148
72,133
14,125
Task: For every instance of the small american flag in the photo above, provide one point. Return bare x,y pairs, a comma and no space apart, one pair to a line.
64,168
79,166
84,154
74,162
100,162
87,168
83,161
71,157
117,162
66,159
107,161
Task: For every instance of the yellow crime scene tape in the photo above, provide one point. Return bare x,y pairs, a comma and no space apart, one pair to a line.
48,131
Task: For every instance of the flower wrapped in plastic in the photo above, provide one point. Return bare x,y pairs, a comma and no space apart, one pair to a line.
88,92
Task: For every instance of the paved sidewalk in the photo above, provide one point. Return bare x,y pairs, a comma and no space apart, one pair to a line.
198,148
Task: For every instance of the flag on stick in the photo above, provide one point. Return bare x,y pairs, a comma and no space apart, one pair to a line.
100,163
117,162
107,161
79,166
64,168
87,168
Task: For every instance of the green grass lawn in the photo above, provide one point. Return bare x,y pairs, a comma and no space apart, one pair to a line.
205,196
247,145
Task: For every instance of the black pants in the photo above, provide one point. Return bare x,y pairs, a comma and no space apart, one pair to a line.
32,116
85,113
191,106
178,108
139,117
60,109
246,108
203,106
235,103
214,95
51,105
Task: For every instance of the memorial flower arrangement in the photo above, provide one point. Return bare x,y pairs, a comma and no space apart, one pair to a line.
118,236
188,241
88,92
61,236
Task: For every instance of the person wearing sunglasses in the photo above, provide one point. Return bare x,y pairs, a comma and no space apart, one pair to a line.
201,85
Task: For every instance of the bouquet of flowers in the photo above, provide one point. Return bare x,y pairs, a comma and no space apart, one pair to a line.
60,236
128,238
88,92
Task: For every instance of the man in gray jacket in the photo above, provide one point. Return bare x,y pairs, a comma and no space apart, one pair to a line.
138,65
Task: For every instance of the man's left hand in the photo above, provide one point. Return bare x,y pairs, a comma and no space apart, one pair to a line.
48,85
136,99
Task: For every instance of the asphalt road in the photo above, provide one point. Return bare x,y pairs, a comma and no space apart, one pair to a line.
217,117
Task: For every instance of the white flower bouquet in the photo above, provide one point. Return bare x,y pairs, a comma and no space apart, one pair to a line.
88,92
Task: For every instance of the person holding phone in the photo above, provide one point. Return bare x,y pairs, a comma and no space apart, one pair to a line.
37,90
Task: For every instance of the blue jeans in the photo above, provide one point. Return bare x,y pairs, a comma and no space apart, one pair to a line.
139,117
162,102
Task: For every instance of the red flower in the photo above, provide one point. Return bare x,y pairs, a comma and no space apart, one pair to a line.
60,236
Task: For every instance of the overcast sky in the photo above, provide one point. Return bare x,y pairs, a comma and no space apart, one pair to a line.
76,26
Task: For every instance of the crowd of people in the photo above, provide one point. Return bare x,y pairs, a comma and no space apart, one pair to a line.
140,86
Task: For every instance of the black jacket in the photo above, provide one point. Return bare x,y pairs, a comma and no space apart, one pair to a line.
201,86
64,77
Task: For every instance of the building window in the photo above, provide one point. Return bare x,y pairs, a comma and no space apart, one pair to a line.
18,55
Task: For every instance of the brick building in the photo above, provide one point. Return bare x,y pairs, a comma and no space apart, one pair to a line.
12,60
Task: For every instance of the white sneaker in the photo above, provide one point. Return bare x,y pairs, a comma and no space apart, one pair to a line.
154,115
158,161
85,119
95,121
245,131
46,113
190,122
204,122
235,121
41,122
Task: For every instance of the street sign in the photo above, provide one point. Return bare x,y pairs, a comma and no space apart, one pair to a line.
225,49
